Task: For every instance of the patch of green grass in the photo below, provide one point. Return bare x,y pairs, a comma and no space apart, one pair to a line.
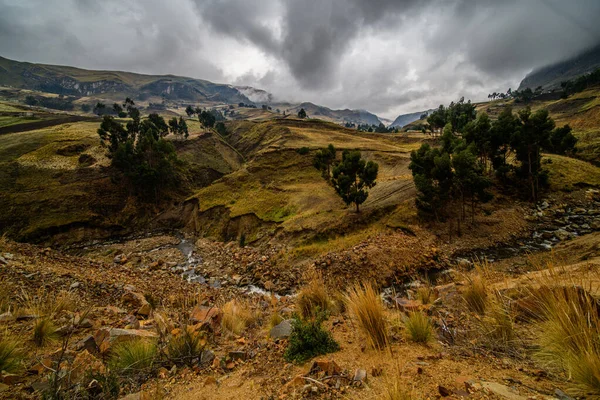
134,357
567,173
418,327
11,355
308,340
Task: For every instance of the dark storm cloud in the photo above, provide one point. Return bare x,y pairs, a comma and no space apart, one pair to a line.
388,56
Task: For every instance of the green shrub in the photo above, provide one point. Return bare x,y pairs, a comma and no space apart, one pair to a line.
302,150
44,332
418,327
133,357
308,340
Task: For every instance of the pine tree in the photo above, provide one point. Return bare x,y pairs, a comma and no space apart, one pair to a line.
352,178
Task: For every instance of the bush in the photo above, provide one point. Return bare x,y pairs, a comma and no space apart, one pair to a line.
418,327
366,306
133,357
313,298
186,347
302,150
44,332
308,340
10,355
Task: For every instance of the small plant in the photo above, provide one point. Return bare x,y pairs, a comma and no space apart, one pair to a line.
10,355
64,301
475,294
418,327
497,326
133,357
313,298
394,390
366,307
44,332
102,386
186,347
275,319
309,339
426,294
236,316
302,150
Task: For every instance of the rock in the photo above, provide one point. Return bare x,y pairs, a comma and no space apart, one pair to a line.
360,375
329,367
207,357
444,392
107,337
407,305
137,300
544,205
562,235
7,317
281,330
74,285
12,379
210,380
503,391
88,343
562,395
84,363
207,316
238,355
579,210
144,310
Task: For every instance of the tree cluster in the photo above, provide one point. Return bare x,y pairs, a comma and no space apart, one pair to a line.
207,118
580,83
138,149
351,177
468,157
381,128
457,114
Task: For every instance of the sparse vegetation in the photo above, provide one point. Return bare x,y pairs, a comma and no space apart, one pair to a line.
366,307
308,340
313,298
11,355
134,357
418,327
187,346
237,315
475,294
44,332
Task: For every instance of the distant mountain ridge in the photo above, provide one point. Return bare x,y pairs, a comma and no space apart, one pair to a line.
115,84
405,119
551,76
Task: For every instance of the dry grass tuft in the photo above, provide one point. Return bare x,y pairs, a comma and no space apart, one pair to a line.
313,298
366,306
44,332
475,294
426,293
497,327
394,390
569,334
134,357
237,315
184,348
11,355
418,327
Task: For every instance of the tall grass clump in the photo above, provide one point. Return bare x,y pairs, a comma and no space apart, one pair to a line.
569,334
134,357
186,347
237,315
425,293
418,327
394,390
313,298
11,355
475,295
366,306
497,326
44,332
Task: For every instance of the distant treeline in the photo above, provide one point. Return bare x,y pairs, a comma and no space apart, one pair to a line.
381,128
581,83
57,103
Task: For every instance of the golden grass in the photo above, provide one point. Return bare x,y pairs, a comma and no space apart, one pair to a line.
395,390
365,305
44,332
313,297
568,173
497,326
186,346
418,327
569,334
237,315
475,294
11,355
134,357
425,293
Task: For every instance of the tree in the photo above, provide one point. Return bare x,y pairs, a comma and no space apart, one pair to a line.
302,113
189,110
469,179
206,118
528,140
437,119
323,161
183,128
86,107
221,129
562,141
352,178
174,126
100,108
139,151
478,133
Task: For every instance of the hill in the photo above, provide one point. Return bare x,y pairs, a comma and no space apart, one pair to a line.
340,116
550,76
113,84
405,119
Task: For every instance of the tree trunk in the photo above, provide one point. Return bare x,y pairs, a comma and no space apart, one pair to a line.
357,210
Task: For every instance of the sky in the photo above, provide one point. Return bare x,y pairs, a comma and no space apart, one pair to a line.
387,56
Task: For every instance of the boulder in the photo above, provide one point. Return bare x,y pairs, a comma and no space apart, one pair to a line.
502,391
207,316
85,362
281,330
107,337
